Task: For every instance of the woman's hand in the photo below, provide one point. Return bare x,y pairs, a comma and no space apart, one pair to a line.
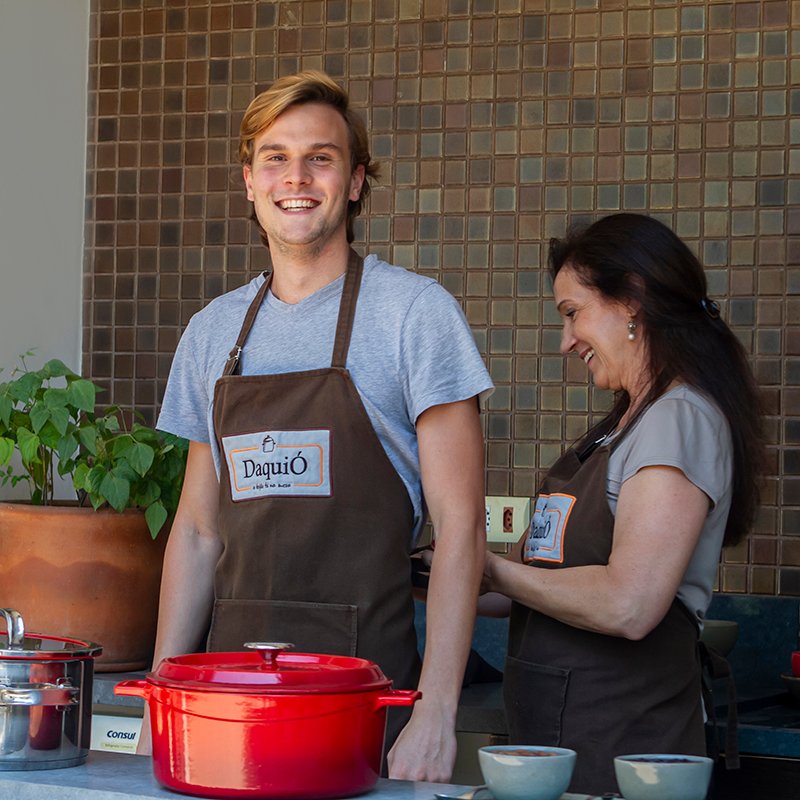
488,571
491,603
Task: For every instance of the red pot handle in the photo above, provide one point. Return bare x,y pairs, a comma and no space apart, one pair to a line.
399,697
133,689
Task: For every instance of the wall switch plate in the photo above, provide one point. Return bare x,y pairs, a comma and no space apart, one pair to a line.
507,518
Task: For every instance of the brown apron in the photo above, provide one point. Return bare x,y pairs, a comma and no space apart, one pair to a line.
600,695
314,520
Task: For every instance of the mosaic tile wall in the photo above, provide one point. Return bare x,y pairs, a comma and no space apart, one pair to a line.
497,123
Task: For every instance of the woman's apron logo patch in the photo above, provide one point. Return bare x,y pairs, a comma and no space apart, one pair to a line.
545,538
278,463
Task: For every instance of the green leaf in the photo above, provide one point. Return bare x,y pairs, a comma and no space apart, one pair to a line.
25,387
28,446
88,437
116,491
83,393
6,407
145,435
79,476
122,469
55,368
60,419
148,495
95,479
141,457
40,414
97,501
6,450
66,447
156,516
122,444
49,435
111,423
56,398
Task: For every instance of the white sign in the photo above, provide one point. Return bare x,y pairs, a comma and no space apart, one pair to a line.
117,734
279,464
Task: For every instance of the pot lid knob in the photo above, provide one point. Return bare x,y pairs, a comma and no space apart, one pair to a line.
270,651
15,628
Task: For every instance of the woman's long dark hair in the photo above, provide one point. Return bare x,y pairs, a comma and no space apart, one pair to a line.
632,257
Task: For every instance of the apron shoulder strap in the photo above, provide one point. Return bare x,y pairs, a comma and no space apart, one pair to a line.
347,309
232,364
344,325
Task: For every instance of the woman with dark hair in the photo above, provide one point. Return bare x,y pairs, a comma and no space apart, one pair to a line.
620,558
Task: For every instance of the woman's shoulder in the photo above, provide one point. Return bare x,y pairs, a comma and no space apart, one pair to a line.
684,423
686,402
685,429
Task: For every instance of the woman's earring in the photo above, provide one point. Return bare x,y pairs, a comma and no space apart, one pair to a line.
631,329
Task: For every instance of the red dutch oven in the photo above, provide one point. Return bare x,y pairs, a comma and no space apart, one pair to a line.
267,723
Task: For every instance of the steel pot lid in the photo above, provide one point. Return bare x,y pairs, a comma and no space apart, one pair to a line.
269,669
14,643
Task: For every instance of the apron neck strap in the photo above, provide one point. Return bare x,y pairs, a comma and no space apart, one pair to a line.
344,325
232,364
347,309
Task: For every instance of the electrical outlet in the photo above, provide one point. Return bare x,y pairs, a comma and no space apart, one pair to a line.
507,518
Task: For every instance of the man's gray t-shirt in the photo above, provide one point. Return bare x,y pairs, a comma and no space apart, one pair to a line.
411,349
685,430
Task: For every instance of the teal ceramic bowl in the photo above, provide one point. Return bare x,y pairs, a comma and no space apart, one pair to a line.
663,776
526,772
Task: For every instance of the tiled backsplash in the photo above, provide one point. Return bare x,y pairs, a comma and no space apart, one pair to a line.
497,122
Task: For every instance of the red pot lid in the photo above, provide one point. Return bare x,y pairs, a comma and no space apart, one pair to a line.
270,670
15,643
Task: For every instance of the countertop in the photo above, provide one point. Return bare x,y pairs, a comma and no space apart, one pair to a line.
118,776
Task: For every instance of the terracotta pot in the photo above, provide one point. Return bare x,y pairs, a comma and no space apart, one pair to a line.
83,573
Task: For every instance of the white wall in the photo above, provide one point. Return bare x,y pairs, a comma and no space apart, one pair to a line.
44,54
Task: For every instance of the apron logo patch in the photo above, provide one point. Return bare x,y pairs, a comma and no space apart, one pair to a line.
545,538
278,464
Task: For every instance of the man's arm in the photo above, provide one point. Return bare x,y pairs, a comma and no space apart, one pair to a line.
187,582
452,465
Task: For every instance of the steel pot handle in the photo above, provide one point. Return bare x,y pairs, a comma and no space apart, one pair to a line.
15,628
399,697
136,688
39,694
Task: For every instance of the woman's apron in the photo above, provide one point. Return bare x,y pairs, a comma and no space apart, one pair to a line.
314,520
600,695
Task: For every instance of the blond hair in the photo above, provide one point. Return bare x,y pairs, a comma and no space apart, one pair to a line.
310,86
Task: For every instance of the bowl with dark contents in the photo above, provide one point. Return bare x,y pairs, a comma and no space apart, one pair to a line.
526,772
663,776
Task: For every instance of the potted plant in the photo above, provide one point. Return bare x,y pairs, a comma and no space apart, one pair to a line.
89,568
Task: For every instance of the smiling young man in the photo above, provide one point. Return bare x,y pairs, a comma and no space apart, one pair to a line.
323,402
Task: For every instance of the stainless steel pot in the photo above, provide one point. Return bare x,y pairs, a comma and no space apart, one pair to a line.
45,698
